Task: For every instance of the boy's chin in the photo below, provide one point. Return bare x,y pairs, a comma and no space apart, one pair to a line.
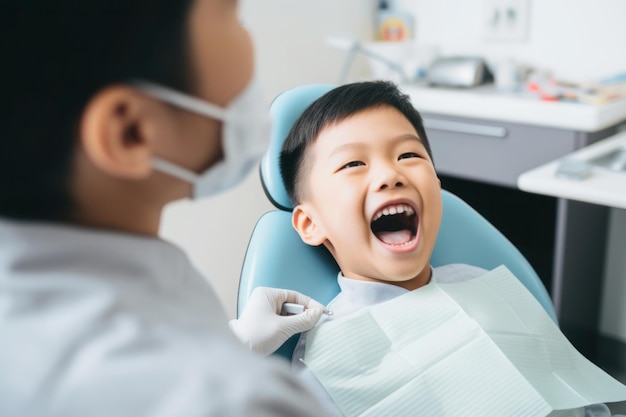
406,269
409,279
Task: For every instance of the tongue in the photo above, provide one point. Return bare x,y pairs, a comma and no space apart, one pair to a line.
395,238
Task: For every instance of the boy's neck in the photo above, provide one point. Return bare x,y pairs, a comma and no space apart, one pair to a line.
419,281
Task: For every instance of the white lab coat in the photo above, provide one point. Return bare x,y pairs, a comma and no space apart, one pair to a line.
97,323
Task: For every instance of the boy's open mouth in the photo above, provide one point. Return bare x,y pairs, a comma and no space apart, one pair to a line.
395,224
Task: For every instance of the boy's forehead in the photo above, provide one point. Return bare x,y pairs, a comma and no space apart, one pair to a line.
384,123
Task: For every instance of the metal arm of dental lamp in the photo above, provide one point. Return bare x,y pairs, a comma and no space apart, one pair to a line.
354,47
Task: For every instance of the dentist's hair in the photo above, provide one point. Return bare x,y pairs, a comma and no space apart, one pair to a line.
55,56
333,107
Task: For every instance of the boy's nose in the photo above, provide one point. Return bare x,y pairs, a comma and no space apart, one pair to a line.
389,178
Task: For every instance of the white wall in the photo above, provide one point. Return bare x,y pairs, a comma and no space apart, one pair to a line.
291,38
291,50
576,39
214,234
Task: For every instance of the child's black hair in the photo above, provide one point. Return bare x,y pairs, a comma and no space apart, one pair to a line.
335,106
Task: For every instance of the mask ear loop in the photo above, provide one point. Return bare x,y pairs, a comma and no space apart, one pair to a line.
182,100
186,102
174,170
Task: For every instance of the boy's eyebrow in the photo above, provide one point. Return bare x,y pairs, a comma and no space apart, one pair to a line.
407,136
346,146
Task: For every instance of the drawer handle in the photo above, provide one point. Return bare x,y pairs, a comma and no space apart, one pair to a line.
460,127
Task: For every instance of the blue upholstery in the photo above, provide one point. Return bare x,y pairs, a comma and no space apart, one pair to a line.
276,257
285,110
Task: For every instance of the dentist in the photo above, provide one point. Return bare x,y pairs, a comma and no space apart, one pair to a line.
110,110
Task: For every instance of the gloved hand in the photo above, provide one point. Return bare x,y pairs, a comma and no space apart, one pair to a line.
263,328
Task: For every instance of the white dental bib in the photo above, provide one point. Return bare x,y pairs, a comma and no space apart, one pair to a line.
482,347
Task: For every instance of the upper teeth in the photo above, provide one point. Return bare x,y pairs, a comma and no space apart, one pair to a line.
395,209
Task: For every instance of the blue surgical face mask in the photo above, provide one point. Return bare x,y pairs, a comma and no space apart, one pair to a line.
245,134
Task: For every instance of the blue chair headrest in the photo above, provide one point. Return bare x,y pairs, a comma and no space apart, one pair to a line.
285,110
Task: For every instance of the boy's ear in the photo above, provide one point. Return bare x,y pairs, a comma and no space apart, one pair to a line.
115,134
306,226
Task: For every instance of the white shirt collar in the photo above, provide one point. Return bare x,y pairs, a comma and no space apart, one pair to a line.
368,293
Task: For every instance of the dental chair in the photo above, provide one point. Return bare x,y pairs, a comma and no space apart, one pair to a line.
276,257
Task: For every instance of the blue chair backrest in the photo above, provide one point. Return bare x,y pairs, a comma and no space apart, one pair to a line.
277,257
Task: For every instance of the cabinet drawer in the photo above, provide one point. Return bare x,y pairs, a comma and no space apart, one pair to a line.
493,152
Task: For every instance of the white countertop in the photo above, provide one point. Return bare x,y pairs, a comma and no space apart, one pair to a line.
602,187
486,102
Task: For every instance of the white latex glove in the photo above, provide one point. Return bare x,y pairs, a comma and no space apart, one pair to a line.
263,328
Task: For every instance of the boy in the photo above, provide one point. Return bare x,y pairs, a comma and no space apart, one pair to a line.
110,110
358,167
